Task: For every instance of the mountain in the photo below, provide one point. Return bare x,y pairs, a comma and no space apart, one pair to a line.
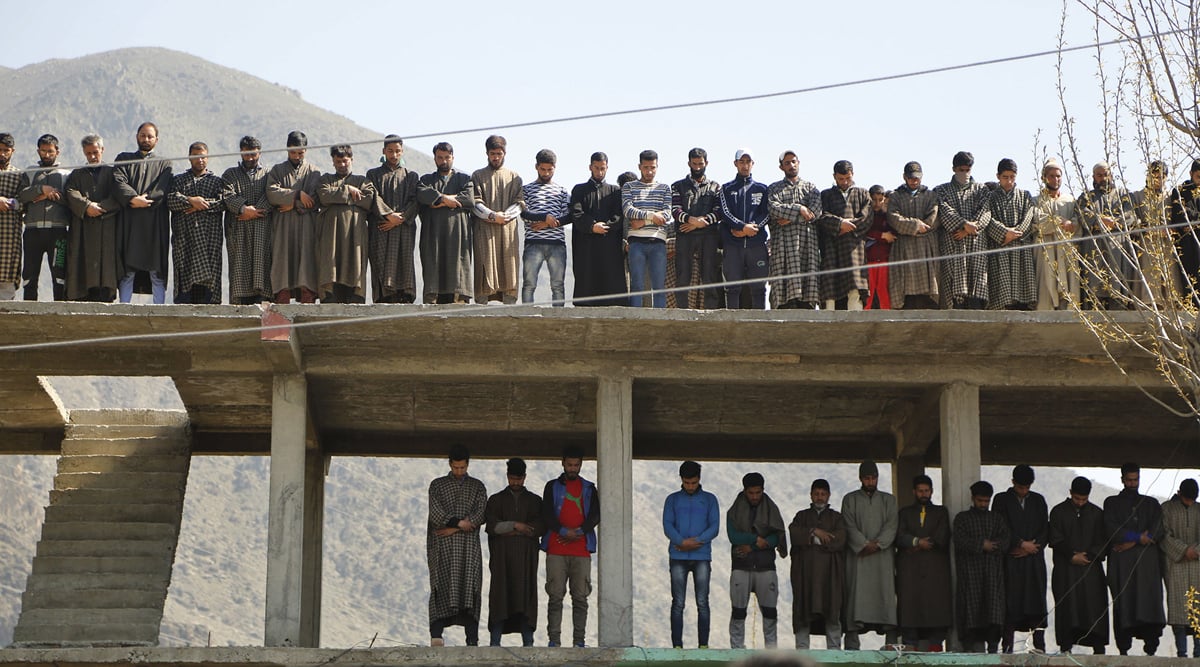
188,98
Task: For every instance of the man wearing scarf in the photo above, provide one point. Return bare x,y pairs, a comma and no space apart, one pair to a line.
1079,542
964,217
1181,551
818,570
923,570
980,536
1133,524
756,531
871,518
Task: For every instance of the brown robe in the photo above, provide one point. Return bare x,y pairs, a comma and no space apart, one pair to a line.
818,570
497,247
513,560
92,260
923,592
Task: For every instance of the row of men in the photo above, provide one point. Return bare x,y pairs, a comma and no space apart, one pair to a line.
869,568
295,233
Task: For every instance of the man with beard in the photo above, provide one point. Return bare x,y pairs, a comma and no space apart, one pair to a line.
1027,516
795,205
912,211
691,521
923,570
92,243
1184,209
1133,524
646,205
456,511
393,238
1079,542
197,203
571,510
514,528
1012,279
818,570
871,518
46,219
693,205
842,231
291,191
598,239
1181,557
1106,214
143,225
963,217
346,200
1157,279
10,220
756,531
1057,220
979,540
247,227
498,204
446,198
547,207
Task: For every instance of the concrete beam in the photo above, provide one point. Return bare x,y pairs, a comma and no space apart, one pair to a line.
42,441
917,426
614,462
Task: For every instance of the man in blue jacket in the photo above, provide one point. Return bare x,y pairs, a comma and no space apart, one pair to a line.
691,520
744,211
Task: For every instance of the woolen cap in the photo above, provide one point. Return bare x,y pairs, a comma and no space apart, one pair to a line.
913,170
868,467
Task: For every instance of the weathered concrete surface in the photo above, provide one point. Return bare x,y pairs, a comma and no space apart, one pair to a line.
614,468
522,657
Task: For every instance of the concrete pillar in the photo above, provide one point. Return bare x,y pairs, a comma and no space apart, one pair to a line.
614,463
904,468
960,444
293,545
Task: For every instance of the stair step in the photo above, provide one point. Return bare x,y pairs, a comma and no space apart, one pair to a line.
73,431
146,513
59,598
107,634
102,564
124,446
82,585
116,496
120,480
34,617
106,464
110,530
122,416
105,548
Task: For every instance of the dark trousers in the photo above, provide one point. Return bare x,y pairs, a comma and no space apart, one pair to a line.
743,262
708,244
342,294
1148,633
49,242
470,626
198,294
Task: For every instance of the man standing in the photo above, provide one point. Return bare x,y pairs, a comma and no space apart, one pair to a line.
646,205
756,531
514,528
842,229
248,228
879,239
456,511
1026,515
92,245
571,509
1012,279
1080,599
693,207
1106,214
1057,220
197,203
964,218
1184,209
10,220
1157,280
547,207
393,238
979,540
446,197
1133,524
912,212
292,192
143,225
871,518
691,521
744,214
818,570
498,203
346,200
923,570
1181,557
47,218
598,239
794,206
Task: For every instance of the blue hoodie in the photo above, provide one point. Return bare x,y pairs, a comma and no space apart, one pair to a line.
696,515
744,201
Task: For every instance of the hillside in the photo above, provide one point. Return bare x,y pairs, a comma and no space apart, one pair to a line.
188,98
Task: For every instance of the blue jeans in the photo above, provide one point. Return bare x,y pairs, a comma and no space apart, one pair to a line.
158,285
648,257
701,570
554,256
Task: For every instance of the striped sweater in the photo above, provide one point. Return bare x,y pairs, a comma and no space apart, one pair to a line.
639,200
541,200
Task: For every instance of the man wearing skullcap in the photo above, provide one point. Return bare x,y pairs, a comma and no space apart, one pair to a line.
923,570
1133,524
818,569
691,521
1106,213
1184,209
514,527
964,217
1056,219
1027,516
1181,551
1079,543
1012,279
980,537
842,229
756,530
870,516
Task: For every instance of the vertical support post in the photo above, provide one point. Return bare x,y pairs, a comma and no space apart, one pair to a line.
316,467
961,460
614,462
904,468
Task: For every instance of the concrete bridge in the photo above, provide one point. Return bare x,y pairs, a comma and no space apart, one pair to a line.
952,389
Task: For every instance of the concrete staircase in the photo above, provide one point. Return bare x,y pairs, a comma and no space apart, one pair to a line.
103,564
